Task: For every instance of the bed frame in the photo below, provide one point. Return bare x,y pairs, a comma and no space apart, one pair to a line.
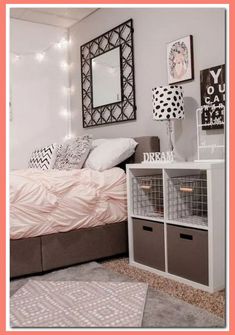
43,253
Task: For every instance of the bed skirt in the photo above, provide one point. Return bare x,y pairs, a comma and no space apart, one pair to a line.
54,251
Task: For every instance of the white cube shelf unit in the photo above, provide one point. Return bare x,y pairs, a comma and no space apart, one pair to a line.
176,221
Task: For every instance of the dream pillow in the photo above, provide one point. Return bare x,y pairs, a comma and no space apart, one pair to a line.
107,153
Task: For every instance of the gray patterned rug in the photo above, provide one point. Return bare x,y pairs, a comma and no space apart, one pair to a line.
46,304
160,311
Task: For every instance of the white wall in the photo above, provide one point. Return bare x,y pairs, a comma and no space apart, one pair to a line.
36,90
153,29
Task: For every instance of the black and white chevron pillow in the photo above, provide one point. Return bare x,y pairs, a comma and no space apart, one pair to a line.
43,158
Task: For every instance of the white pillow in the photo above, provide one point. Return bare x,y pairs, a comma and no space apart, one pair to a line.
108,153
100,141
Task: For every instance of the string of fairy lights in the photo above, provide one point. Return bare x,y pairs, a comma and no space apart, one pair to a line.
40,57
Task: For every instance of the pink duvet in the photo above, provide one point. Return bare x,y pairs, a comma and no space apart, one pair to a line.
45,202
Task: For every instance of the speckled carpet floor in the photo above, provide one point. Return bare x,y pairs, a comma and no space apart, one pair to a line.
213,303
161,310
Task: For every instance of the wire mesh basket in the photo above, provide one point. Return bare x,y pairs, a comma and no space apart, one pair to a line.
147,195
187,199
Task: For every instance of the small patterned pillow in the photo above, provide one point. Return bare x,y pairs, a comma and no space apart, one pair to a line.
73,153
43,158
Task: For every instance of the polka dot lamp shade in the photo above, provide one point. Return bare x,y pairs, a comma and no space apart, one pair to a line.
168,102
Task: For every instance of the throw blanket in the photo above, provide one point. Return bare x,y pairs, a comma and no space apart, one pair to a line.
45,202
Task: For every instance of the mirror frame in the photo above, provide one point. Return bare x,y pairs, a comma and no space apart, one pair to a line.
120,71
125,110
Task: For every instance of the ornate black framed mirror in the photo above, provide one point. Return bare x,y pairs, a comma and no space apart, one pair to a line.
107,75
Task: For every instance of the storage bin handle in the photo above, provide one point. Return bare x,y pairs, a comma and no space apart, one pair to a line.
145,187
186,189
147,228
186,236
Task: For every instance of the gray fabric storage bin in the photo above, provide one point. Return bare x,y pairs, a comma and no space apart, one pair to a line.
148,239
187,250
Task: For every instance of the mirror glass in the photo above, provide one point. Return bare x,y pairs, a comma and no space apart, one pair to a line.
106,78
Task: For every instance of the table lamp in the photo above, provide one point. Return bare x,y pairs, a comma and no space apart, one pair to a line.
168,104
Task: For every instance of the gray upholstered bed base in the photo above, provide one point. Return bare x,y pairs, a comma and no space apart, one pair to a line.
43,253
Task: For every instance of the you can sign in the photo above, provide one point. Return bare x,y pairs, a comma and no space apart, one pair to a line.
213,93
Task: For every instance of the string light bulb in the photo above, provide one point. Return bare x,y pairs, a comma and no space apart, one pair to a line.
62,44
69,137
40,56
64,66
65,113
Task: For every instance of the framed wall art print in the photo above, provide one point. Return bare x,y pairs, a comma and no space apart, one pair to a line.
180,60
213,94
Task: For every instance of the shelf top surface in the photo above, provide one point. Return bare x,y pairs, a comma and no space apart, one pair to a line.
209,164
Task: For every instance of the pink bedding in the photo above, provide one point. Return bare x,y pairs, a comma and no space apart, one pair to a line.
45,202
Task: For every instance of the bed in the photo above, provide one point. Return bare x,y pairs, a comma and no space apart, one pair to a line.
31,255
